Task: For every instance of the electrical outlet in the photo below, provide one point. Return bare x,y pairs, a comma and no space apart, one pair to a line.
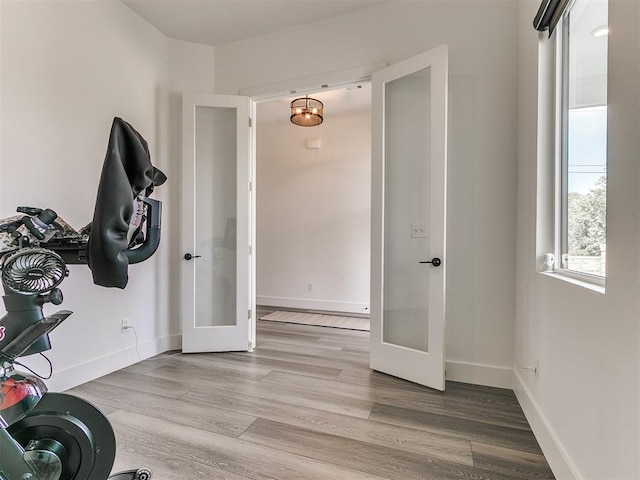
536,364
310,287
126,325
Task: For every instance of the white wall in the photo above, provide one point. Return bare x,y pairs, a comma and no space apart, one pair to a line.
585,404
67,68
313,212
482,143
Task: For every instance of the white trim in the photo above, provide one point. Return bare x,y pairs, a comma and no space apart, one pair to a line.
312,84
555,453
579,280
479,374
312,304
253,195
84,372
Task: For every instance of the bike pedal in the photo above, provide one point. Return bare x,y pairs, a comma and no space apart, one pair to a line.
139,474
143,474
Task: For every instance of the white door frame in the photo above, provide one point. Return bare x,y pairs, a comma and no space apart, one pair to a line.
313,84
280,90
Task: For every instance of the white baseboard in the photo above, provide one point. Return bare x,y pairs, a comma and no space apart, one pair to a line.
478,374
78,374
557,457
312,304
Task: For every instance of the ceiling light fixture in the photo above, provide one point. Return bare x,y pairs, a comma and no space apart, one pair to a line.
306,112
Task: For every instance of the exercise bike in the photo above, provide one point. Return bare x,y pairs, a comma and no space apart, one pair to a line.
46,435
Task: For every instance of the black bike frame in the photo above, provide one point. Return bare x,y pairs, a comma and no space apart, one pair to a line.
13,466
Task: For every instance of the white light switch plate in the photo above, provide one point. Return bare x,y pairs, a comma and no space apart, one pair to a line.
418,230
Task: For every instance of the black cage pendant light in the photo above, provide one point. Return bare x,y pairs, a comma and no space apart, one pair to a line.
306,112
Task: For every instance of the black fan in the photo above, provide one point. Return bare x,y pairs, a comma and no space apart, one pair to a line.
33,270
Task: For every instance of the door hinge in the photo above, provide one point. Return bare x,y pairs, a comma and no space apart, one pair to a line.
250,122
249,249
249,314
250,187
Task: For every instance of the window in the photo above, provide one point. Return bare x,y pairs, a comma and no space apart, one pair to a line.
581,139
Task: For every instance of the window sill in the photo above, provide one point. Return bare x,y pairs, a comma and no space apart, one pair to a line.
573,279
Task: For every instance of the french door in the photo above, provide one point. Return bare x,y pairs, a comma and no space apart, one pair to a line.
409,152
409,111
217,281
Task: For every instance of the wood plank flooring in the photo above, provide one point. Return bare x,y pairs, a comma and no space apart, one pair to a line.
305,405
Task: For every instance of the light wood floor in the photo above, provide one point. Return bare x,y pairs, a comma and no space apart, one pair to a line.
305,405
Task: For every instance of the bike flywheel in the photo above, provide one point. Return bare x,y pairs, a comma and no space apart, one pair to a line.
84,438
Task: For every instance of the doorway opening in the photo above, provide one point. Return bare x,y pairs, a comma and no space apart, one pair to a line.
313,206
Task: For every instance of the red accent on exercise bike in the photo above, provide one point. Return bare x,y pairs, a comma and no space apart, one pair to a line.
14,391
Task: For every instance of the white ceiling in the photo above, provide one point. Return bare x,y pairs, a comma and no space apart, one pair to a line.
215,22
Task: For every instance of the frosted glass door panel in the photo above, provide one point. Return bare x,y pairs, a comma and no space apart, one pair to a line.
406,204
408,218
215,216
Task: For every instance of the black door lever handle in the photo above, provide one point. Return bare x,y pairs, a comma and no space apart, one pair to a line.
188,256
435,261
